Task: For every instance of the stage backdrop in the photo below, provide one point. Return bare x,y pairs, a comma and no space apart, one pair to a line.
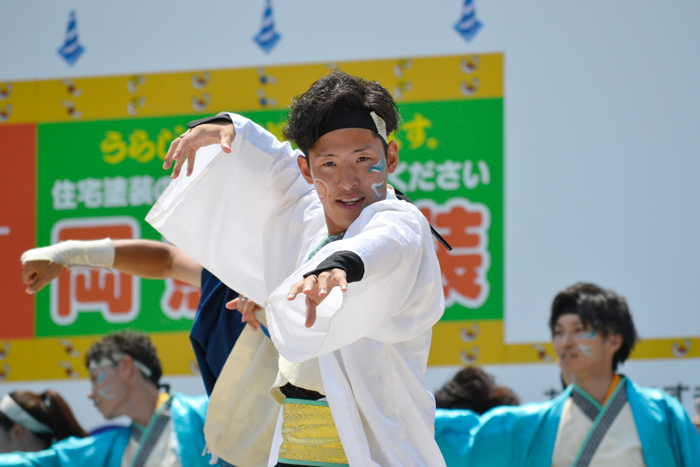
595,108
96,146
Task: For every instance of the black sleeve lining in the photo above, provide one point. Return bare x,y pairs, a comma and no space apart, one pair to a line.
348,261
223,116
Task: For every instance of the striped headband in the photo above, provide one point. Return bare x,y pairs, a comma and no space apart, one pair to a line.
17,414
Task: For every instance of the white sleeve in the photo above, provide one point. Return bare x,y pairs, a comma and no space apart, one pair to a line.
234,205
399,297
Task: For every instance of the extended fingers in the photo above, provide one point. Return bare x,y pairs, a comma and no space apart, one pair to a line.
171,153
323,284
329,279
340,278
227,135
183,148
310,312
247,309
305,286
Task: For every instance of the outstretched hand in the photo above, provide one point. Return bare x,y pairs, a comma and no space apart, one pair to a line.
247,308
185,146
316,289
37,274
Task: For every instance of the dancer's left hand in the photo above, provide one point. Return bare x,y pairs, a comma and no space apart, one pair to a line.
316,289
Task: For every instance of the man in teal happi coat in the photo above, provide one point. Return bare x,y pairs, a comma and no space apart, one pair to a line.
166,429
602,419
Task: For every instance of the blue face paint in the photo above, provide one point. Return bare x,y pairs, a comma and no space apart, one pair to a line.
379,166
588,334
101,377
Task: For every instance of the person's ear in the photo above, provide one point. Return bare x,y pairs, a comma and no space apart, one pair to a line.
303,164
615,342
392,157
127,369
17,433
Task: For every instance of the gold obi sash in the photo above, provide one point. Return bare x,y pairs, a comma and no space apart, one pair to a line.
309,434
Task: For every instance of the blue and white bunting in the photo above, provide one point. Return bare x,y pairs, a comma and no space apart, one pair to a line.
267,38
469,25
71,49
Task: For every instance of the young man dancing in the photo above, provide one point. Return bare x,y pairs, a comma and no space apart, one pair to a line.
347,272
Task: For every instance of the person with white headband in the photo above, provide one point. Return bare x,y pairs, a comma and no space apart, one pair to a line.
32,422
347,271
166,429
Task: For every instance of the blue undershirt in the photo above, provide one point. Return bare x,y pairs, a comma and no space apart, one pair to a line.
215,328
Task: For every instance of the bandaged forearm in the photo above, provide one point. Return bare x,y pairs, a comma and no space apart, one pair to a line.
75,254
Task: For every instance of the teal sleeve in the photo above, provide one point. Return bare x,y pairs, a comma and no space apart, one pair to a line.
189,414
453,432
504,436
104,450
668,437
685,435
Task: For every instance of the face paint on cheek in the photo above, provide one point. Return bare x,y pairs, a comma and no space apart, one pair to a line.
101,377
588,335
321,188
379,168
375,189
586,350
105,393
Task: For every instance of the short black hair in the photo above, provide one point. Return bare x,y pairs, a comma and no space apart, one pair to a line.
474,389
137,345
337,91
601,309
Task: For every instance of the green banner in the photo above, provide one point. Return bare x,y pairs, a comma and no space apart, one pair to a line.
100,178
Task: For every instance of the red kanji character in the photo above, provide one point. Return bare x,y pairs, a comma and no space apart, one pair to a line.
464,225
116,295
180,299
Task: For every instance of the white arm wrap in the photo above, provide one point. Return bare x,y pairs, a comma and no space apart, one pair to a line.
75,254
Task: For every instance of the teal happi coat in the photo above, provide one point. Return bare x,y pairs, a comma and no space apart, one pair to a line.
106,449
524,436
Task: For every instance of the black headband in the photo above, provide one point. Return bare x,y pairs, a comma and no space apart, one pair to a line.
352,119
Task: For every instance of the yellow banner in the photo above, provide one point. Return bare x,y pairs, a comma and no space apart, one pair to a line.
482,343
475,76
64,358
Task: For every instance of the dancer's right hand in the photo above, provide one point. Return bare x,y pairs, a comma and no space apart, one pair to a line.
185,146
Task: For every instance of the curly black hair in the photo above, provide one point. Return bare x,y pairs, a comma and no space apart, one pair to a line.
137,345
337,91
602,309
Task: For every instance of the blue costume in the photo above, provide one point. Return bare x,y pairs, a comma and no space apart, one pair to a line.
106,449
215,328
525,435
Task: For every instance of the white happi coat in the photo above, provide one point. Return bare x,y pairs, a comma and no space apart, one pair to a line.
252,220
